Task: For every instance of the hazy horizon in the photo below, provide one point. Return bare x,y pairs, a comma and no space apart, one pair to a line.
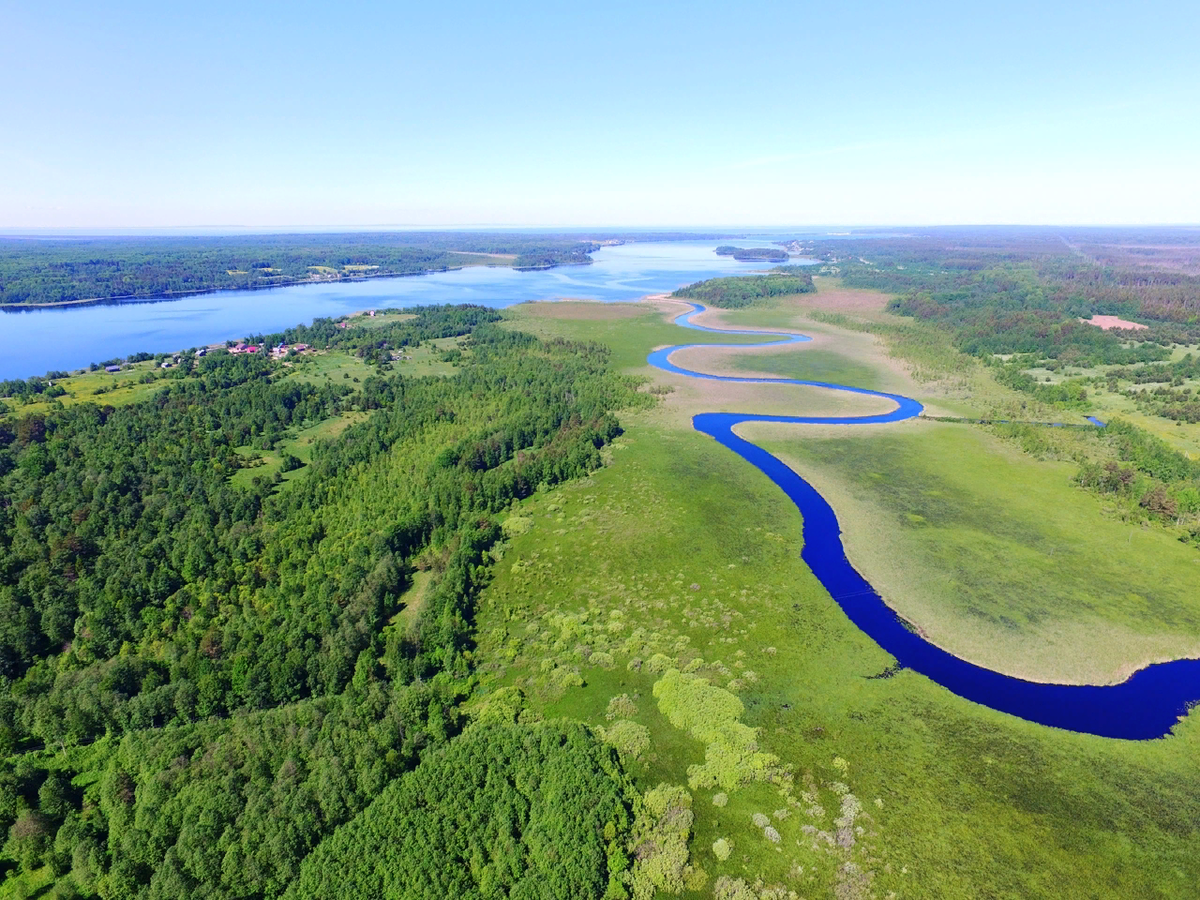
816,231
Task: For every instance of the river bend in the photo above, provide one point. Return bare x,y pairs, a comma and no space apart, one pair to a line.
1147,705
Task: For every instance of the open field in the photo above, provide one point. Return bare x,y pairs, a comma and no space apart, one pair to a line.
679,555
103,388
300,446
631,330
331,365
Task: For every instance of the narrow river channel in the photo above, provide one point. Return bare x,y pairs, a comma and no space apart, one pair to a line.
1145,706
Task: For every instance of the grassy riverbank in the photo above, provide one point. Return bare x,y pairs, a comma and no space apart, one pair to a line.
997,556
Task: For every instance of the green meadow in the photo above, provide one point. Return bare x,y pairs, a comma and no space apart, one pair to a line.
815,364
663,601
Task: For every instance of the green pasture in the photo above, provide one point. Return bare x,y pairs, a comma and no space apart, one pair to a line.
102,388
328,365
680,555
26,885
300,445
334,365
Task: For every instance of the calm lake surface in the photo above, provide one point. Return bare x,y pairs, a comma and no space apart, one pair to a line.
37,341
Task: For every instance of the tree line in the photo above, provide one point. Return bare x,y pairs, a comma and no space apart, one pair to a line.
57,271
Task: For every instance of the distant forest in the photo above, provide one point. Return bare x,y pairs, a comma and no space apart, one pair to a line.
41,271
1025,290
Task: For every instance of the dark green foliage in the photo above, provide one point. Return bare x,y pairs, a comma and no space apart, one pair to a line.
515,811
138,587
225,808
152,613
1149,454
741,291
1155,478
1071,393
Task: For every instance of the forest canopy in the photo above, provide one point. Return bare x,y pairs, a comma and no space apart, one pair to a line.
503,811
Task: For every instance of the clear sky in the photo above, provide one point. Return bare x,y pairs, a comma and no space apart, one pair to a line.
621,113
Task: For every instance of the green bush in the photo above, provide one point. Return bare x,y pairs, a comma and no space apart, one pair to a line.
710,714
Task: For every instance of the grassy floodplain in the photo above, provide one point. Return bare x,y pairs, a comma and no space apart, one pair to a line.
679,557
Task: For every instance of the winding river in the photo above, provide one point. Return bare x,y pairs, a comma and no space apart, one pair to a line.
1145,706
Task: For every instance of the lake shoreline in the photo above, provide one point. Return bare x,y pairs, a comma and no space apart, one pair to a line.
167,296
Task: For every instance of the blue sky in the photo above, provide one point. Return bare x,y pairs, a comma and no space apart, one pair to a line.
304,114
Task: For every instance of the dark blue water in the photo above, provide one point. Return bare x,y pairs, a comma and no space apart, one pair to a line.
1146,706
34,342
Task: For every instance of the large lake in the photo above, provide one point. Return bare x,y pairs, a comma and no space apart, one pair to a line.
37,341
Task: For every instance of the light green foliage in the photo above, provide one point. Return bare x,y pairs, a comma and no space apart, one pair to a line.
721,849
661,841
621,706
727,888
564,677
516,525
710,714
501,707
659,662
630,738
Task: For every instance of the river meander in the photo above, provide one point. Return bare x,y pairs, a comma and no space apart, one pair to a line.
1145,706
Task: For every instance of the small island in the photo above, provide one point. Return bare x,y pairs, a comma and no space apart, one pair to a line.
753,254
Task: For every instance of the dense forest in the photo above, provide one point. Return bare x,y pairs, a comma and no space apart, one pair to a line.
504,811
200,681
738,291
